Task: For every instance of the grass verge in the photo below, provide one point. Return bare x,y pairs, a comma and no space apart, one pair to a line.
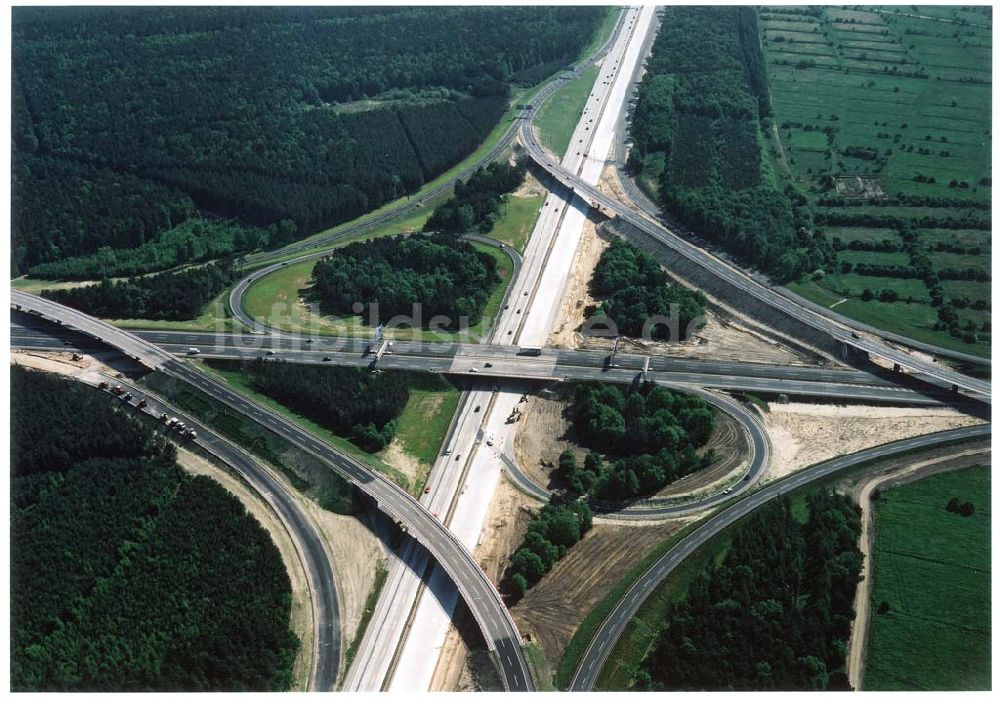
240,380
276,300
380,576
518,220
559,116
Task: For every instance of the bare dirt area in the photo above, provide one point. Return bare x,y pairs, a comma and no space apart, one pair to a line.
397,458
531,186
803,434
355,551
88,367
730,445
862,492
718,339
722,338
503,532
302,616
552,610
542,438
576,297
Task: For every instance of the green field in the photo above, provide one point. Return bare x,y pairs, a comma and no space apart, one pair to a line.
231,374
277,300
421,426
932,567
520,214
902,103
559,116
913,320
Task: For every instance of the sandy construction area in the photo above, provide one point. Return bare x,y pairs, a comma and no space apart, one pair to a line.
577,296
503,531
542,438
552,610
803,434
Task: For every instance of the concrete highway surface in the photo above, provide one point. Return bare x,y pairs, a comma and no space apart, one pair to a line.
532,300
610,631
479,593
651,225
506,363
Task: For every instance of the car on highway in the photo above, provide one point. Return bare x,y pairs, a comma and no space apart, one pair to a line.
488,365
327,359
427,490
476,409
270,352
489,443
473,369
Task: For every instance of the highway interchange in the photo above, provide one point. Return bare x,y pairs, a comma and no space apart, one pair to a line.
164,350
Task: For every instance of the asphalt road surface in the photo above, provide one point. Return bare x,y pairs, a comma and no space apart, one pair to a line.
649,224
482,598
304,533
506,363
607,635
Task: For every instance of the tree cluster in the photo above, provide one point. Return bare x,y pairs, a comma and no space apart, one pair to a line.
962,508
127,574
180,295
559,525
775,614
314,115
351,402
634,293
648,434
444,275
700,105
477,203
194,240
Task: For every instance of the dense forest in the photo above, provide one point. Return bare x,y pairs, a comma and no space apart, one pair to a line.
180,295
558,526
775,614
126,574
310,114
351,402
194,240
699,112
642,437
390,275
478,202
633,289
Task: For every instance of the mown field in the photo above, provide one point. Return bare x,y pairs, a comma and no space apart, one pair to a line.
883,121
932,568
558,117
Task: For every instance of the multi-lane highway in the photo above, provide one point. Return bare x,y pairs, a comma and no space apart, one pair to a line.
607,635
648,223
506,362
479,593
534,298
